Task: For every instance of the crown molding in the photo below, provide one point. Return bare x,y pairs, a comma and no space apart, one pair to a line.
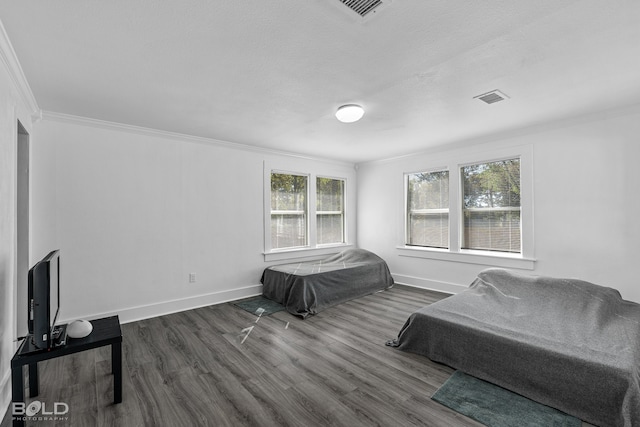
12,65
175,136
496,137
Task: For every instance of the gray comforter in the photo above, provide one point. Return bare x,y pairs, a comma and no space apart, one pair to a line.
306,288
566,343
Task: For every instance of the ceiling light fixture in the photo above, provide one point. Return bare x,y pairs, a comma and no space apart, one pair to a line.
349,113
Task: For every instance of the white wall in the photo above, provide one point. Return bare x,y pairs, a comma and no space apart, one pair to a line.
586,204
16,103
134,212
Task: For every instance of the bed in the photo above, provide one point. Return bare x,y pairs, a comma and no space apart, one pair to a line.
566,343
306,288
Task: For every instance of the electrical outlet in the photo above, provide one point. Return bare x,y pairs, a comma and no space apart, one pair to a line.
192,277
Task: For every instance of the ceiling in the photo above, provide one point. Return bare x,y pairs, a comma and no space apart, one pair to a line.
272,73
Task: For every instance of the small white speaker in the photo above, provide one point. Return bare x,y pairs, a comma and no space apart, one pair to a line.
79,328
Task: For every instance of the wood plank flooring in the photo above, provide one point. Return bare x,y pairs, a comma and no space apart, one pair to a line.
197,368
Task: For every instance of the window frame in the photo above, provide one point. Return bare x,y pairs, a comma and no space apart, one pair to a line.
342,213
497,209
406,204
305,212
455,253
313,170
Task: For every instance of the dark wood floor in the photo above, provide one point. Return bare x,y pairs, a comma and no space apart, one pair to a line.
198,368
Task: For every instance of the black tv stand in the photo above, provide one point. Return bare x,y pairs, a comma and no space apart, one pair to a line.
105,332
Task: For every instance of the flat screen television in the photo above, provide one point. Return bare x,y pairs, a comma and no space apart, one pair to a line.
44,300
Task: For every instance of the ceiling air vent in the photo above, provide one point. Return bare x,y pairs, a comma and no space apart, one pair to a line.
365,8
491,97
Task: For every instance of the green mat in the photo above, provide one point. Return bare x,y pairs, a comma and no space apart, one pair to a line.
496,407
256,305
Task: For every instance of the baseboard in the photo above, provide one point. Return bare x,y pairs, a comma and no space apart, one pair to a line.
434,285
141,312
5,393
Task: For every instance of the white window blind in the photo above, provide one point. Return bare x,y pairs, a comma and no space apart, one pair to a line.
289,218
491,206
428,209
330,210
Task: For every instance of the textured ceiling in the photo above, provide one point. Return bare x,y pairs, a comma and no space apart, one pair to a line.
272,73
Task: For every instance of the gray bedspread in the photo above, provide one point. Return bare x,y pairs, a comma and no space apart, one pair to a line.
566,343
306,288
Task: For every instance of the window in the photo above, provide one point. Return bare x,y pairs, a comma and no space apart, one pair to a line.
289,210
330,210
309,208
463,208
428,209
491,206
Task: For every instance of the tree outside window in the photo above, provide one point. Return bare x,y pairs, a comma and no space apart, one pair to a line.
428,209
491,206
289,210
330,210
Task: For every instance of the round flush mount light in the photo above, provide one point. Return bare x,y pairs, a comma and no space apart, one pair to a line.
349,113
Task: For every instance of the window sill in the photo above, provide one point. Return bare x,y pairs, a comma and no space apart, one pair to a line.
470,257
303,254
